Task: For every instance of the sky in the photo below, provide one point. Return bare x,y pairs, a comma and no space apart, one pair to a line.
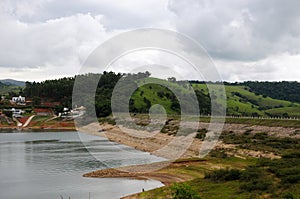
246,40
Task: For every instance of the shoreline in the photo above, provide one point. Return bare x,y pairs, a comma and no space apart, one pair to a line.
151,145
28,130
140,172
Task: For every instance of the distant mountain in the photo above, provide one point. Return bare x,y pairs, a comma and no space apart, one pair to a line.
12,82
2,84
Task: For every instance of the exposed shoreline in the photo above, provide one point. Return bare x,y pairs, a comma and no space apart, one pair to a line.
141,172
152,145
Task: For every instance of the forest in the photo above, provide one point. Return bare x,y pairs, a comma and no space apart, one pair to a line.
279,90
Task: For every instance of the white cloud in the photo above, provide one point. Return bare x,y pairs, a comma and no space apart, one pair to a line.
58,43
46,39
241,30
279,67
248,40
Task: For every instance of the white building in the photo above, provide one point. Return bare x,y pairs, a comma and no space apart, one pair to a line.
17,112
19,99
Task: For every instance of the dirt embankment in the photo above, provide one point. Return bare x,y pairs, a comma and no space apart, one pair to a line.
163,145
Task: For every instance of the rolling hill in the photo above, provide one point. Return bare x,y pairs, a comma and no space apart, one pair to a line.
12,82
241,100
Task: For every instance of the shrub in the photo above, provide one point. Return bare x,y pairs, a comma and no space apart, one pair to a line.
224,175
201,133
256,185
288,196
183,191
255,179
218,154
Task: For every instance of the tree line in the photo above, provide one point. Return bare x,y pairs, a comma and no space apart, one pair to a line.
284,90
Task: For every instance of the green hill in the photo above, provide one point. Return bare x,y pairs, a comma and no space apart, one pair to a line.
241,100
157,91
12,82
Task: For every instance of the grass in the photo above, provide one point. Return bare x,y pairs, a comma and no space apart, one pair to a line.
291,111
151,94
240,101
220,176
251,179
194,174
261,142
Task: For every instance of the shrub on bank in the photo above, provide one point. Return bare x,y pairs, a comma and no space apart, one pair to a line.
183,191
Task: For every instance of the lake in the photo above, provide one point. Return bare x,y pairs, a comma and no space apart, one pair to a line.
47,165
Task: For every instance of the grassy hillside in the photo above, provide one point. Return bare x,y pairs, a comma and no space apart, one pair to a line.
153,91
241,101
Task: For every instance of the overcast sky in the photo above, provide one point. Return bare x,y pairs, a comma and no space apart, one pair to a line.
247,39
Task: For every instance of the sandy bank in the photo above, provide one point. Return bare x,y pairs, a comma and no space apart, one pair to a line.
144,171
156,143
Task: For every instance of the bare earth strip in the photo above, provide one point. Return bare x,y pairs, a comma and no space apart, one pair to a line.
157,141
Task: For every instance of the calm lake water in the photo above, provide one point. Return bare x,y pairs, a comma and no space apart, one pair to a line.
47,165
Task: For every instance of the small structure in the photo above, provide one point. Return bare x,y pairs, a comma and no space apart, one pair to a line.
19,100
77,112
17,112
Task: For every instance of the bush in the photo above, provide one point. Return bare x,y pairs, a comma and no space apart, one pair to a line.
218,154
183,191
255,179
256,185
201,133
8,113
288,196
224,175
287,168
